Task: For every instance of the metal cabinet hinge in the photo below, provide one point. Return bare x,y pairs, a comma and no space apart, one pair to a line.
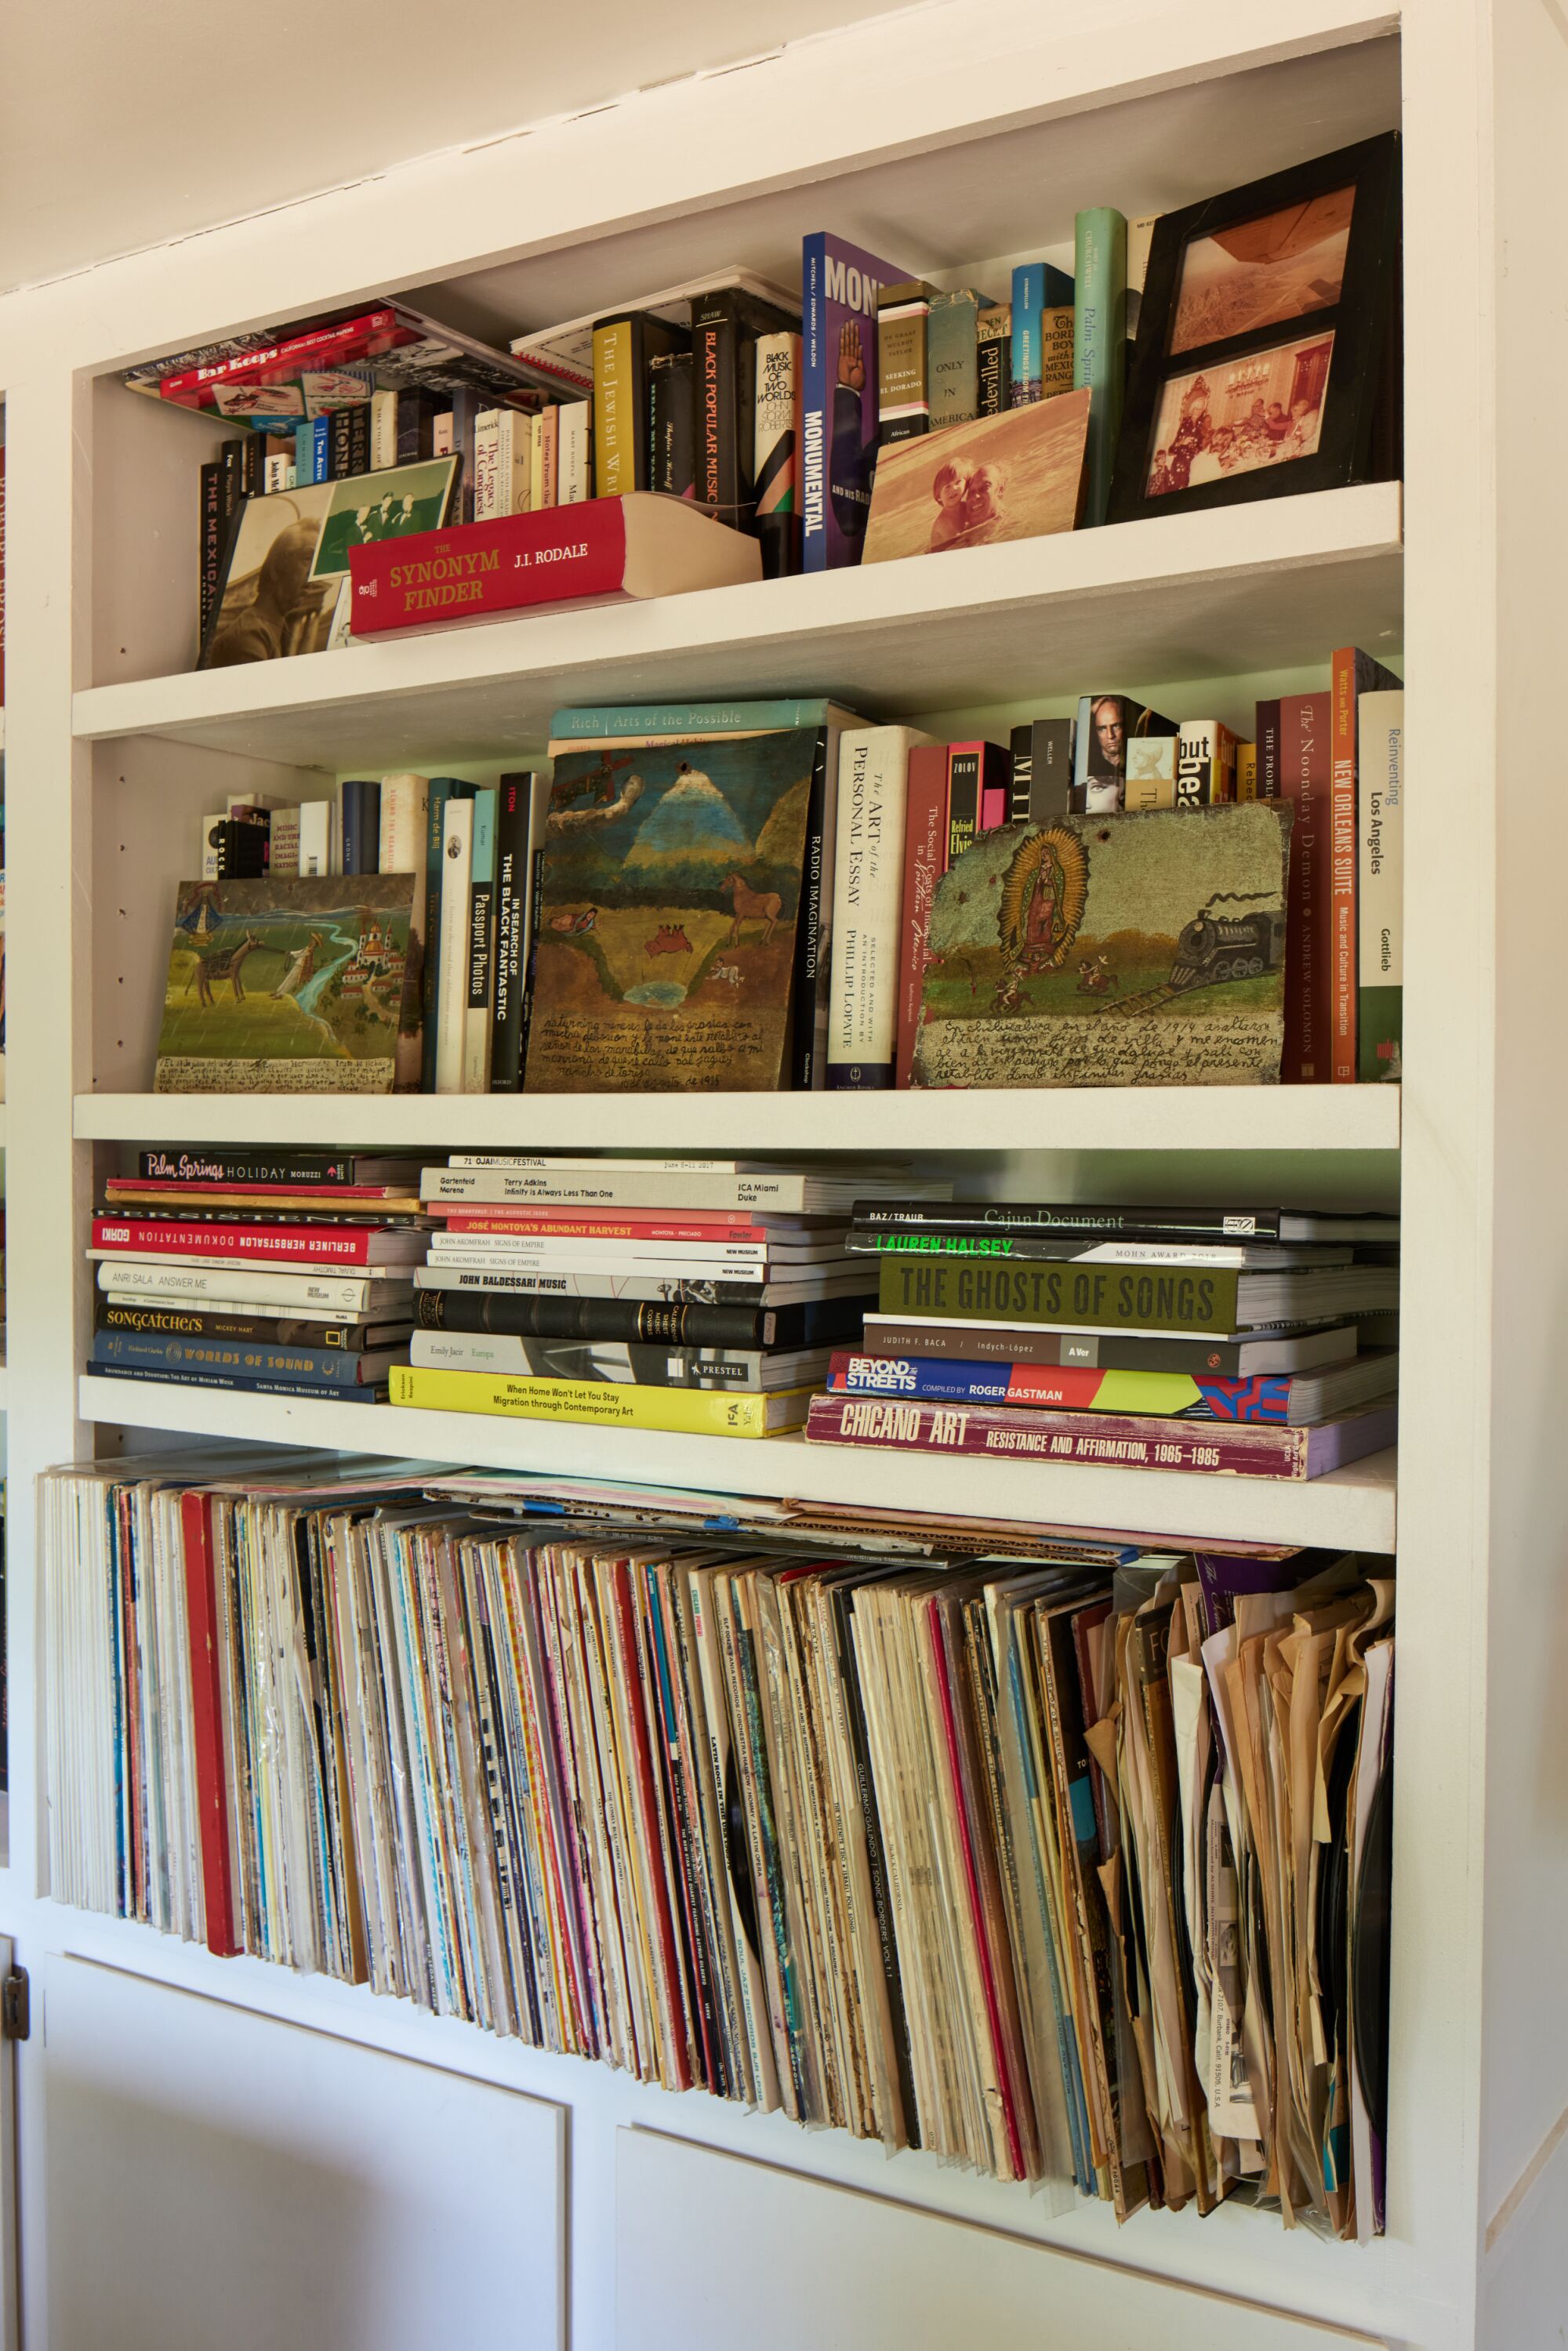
15,2006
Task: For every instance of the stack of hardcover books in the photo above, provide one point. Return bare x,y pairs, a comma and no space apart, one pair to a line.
287,1273
695,1295
1251,1342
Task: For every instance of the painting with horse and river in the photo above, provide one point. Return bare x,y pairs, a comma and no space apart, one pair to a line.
666,933
297,984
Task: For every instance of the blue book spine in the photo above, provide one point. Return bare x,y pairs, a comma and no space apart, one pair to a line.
590,721
1038,286
242,1383
1100,343
322,450
942,1381
838,397
332,1367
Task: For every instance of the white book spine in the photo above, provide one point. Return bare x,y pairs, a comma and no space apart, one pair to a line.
550,458
383,430
1380,723
210,846
316,832
452,947
342,1293
277,468
489,477
868,887
565,1285
790,1195
536,446
405,800
443,433
572,460
283,847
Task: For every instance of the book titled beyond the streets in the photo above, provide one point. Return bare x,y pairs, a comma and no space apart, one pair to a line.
665,932
1111,950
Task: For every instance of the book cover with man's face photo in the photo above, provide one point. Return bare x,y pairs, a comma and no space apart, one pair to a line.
288,570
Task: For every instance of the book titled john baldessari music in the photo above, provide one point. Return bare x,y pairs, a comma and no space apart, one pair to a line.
602,550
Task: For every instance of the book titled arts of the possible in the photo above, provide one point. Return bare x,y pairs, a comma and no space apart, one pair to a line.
665,931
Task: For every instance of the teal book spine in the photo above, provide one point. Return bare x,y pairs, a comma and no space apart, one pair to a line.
590,722
1100,342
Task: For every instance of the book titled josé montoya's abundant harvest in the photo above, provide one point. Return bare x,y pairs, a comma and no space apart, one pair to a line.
640,545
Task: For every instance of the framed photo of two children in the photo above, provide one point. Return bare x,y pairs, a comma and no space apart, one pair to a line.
1267,358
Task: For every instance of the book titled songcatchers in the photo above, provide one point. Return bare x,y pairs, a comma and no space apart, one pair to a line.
293,986
665,932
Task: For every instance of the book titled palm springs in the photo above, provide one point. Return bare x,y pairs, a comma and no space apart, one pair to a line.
838,406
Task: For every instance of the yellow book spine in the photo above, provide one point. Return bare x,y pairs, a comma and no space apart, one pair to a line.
614,456
608,1404
1246,772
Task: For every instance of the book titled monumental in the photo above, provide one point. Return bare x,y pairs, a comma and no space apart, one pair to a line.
606,550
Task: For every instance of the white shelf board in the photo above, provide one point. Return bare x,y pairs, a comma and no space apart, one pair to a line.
1087,1118
1353,1509
1183,596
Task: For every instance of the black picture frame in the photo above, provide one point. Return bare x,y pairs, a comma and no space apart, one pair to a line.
1355,411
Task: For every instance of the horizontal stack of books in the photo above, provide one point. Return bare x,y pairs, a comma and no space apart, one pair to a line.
911,1849
695,1295
286,1273
1211,1338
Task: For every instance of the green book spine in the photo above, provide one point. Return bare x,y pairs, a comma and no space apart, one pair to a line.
1098,1297
951,358
1100,342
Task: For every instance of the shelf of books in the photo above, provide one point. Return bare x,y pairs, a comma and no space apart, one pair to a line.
1258,582
783,1198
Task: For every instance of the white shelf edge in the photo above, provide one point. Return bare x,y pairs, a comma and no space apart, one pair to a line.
1352,1509
1088,1118
821,616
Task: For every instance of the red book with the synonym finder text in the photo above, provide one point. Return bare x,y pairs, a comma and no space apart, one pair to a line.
602,550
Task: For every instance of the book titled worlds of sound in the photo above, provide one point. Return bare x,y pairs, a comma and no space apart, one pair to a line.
602,550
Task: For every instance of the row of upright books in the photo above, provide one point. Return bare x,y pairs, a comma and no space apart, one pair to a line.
1069,1864
768,895
739,1299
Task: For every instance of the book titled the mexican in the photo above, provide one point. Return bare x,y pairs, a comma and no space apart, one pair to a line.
605,550
608,1403
1287,1398
298,1244
1107,1441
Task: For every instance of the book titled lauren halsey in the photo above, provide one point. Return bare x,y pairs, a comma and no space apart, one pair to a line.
603,550
839,422
1112,1440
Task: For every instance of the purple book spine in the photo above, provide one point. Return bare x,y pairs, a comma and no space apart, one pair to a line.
838,433
1108,1439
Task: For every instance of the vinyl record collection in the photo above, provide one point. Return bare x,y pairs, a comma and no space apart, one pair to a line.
1068,1865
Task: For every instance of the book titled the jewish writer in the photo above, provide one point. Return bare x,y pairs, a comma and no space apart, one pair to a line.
838,405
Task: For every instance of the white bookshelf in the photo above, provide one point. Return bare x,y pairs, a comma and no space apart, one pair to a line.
967,128
1152,600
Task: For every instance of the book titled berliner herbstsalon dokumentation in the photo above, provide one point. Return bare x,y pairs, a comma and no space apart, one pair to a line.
603,551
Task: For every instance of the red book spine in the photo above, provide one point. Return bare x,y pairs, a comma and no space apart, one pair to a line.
1024,1433
132,1188
1343,862
925,862
296,1244
361,337
485,1220
501,566
206,1726
1306,779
